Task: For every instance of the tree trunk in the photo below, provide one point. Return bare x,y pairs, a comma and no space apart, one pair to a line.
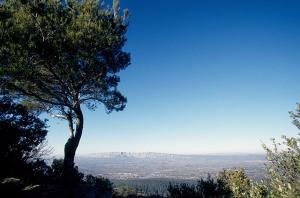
70,149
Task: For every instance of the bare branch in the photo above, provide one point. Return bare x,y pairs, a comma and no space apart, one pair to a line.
59,116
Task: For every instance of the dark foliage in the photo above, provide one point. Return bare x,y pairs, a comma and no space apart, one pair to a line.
208,188
21,135
212,188
182,190
39,171
101,183
57,171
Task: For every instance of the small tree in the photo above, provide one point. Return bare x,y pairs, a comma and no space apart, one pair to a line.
283,166
21,135
61,55
237,181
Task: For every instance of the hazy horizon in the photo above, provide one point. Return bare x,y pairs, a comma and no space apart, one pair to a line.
162,153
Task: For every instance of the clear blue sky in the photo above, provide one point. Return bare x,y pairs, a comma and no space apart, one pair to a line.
206,77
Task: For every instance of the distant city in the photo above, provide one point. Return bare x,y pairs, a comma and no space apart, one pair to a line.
128,166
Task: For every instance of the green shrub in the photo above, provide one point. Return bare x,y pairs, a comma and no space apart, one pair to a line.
237,181
283,168
123,191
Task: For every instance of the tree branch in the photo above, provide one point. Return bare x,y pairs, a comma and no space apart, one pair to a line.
59,116
38,97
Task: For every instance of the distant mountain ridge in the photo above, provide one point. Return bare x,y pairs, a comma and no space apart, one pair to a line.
157,154
127,154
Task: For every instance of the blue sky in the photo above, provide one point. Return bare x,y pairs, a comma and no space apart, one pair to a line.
206,77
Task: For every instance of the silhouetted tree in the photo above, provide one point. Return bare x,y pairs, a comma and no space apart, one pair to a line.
182,190
205,188
212,188
21,134
101,183
61,55
57,168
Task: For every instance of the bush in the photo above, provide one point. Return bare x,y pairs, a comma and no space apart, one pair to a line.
127,192
283,168
101,183
258,190
205,188
182,190
57,170
237,181
212,188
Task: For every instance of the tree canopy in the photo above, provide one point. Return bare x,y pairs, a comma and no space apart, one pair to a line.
61,55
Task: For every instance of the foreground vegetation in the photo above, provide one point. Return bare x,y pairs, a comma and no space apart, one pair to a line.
282,179
26,174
